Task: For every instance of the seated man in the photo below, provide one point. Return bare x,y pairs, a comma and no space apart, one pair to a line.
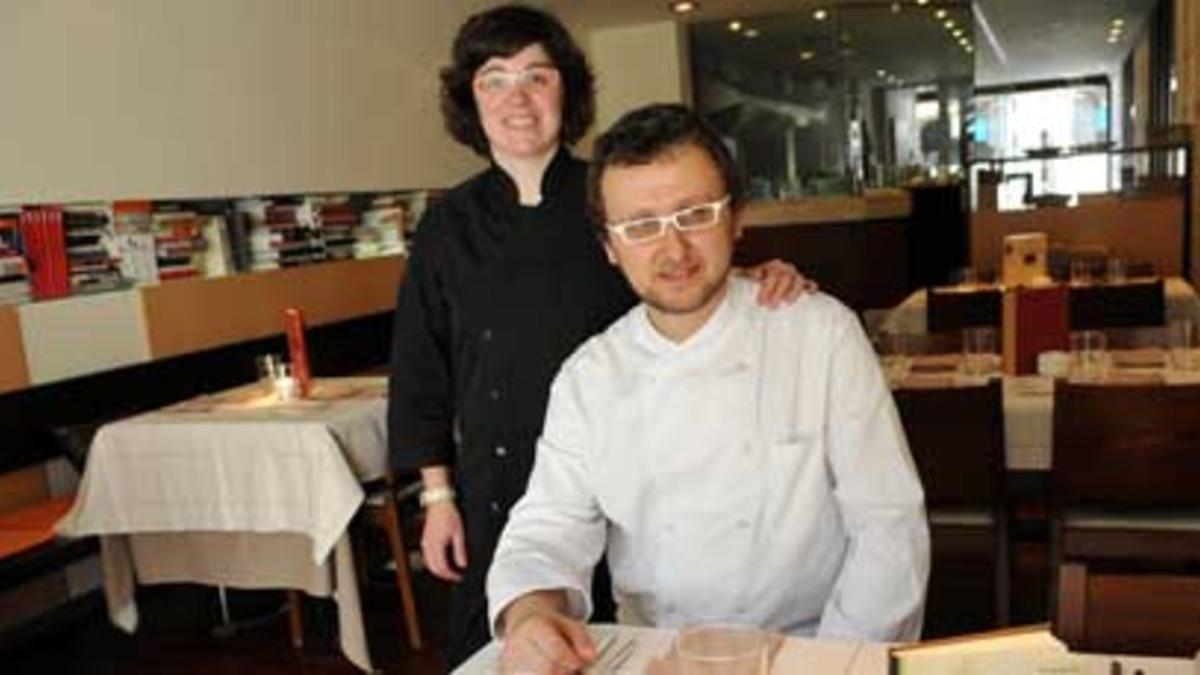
738,464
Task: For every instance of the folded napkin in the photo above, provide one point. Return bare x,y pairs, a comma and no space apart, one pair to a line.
1148,357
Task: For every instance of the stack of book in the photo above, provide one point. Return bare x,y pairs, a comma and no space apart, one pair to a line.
277,235
41,232
133,240
14,271
181,246
92,262
382,230
334,219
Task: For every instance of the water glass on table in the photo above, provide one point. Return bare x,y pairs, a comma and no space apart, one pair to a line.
1089,355
979,349
892,348
1184,344
722,649
1115,271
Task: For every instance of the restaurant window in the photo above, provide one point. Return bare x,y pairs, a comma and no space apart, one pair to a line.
868,95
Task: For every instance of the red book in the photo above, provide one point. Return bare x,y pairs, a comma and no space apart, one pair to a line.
1036,320
46,251
293,323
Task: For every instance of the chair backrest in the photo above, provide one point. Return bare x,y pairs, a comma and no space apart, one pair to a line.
1126,446
1128,612
1095,307
956,436
953,310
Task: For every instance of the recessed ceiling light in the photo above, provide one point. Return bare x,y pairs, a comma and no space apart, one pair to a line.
881,73
1118,22
750,32
895,8
940,14
922,2
735,25
821,14
807,55
683,7
949,24
958,32
1113,39
968,49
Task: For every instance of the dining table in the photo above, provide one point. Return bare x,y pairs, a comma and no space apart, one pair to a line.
910,317
1029,399
636,650
237,489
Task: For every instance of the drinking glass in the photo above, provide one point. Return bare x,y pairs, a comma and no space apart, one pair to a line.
286,387
892,348
1089,357
1081,271
979,346
1115,271
722,649
1184,343
966,276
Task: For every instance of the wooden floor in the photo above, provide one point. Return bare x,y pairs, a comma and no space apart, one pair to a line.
176,635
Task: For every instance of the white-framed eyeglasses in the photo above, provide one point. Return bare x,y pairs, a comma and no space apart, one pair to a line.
498,82
691,219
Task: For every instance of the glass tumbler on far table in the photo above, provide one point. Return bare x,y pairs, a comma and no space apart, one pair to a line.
268,369
1184,344
892,348
979,349
719,649
1089,356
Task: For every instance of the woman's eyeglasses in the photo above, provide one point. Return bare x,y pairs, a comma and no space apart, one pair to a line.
698,217
500,82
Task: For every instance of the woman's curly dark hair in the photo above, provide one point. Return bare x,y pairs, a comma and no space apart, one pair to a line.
502,32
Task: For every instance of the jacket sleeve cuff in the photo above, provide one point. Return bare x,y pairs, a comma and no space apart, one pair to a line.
506,586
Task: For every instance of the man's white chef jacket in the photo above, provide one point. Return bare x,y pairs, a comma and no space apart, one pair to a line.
756,473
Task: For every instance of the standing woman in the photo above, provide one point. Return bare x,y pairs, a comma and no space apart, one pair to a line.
506,278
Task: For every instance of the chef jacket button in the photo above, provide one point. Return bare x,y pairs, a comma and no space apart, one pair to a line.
495,507
494,394
501,451
486,335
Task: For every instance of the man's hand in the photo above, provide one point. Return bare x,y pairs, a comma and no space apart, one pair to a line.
544,641
443,535
779,282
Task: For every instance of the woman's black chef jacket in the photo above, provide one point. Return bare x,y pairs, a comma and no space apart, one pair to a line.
495,297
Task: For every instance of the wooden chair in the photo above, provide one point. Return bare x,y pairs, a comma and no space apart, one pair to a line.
952,310
1097,307
956,436
1128,612
380,511
1125,475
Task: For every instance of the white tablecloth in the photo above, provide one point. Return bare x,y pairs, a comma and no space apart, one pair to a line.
237,490
1179,298
1029,409
801,656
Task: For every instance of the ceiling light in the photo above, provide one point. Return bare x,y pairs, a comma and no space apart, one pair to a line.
968,49
922,2
807,55
1114,39
881,73
750,32
1174,86
683,7
958,32
895,8
1118,22
735,25
940,14
949,24
821,14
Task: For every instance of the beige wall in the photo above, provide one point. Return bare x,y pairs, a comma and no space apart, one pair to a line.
636,65
159,98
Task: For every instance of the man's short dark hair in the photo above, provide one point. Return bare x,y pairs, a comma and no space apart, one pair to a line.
504,31
646,134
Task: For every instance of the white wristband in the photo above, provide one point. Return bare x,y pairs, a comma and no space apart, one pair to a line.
433,495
